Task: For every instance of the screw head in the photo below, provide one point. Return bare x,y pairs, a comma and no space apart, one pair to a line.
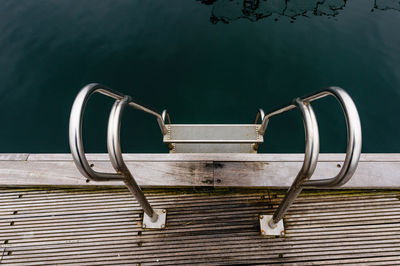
144,226
164,211
261,216
282,233
263,232
163,226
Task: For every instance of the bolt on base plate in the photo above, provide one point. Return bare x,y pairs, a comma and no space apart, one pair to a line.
159,224
266,230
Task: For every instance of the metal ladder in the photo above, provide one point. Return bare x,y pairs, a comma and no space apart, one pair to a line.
238,138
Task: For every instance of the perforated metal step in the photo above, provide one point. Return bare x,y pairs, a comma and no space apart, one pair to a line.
213,138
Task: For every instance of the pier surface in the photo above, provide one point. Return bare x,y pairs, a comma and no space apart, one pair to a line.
70,221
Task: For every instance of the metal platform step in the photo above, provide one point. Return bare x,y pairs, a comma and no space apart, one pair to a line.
215,138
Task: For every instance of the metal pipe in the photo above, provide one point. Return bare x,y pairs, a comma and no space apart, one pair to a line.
115,153
113,138
159,118
354,138
75,132
75,129
309,164
89,89
353,151
264,122
260,115
165,116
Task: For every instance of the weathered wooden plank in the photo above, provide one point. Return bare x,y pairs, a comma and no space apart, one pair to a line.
292,157
13,156
65,173
230,170
200,173
282,174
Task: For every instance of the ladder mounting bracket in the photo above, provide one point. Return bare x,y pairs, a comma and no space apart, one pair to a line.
160,223
266,230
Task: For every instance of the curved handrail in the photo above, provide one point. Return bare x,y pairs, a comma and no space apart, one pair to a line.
353,150
354,138
75,132
263,126
260,115
165,115
115,153
75,129
310,160
113,135
113,141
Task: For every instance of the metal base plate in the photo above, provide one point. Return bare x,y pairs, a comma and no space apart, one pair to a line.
266,230
159,224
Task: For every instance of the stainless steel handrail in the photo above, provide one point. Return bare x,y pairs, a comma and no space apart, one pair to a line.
113,141
260,115
115,153
353,151
165,116
354,138
309,164
75,132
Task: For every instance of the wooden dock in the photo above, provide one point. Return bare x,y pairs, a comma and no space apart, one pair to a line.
50,214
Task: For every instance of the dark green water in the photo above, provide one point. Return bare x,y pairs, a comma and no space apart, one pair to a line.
206,62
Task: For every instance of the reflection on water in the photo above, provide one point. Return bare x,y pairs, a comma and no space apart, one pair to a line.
226,11
387,4
168,54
